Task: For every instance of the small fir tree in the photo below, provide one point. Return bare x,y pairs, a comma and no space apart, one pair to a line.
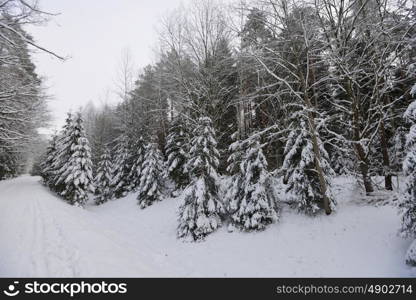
411,254
236,152
121,169
235,156
134,176
63,153
76,173
151,183
300,171
251,201
103,178
200,213
408,201
177,146
47,171
398,149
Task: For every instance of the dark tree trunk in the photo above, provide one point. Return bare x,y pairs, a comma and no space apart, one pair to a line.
363,166
386,160
359,150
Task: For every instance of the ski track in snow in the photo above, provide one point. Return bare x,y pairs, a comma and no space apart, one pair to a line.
42,236
41,248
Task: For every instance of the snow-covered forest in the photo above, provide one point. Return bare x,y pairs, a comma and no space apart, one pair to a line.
23,106
254,114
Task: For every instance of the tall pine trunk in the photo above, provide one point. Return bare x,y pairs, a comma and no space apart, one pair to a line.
386,160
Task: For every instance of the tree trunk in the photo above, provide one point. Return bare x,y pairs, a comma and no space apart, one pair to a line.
386,161
315,146
363,166
317,154
359,150
361,156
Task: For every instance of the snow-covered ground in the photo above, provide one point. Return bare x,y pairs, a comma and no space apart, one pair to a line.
43,236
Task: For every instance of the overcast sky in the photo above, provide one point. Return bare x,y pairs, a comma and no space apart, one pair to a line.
94,33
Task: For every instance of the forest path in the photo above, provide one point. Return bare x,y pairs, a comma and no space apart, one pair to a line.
42,236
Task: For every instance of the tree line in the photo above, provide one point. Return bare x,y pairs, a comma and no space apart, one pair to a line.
23,106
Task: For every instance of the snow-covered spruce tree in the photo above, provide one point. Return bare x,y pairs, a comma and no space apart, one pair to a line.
76,173
177,146
408,201
63,153
134,175
9,164
103,179
251,200
152,177
236,152
301,176
47,171
200,212
411,254
398,149
121,169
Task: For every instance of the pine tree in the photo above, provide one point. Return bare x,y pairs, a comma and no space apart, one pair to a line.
200,212
177,145
8,164
301,176
408,201
103,179
63,153
251,201
236,152
152,174
121,169
398,149
47,171
76,173
137,166
411,254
